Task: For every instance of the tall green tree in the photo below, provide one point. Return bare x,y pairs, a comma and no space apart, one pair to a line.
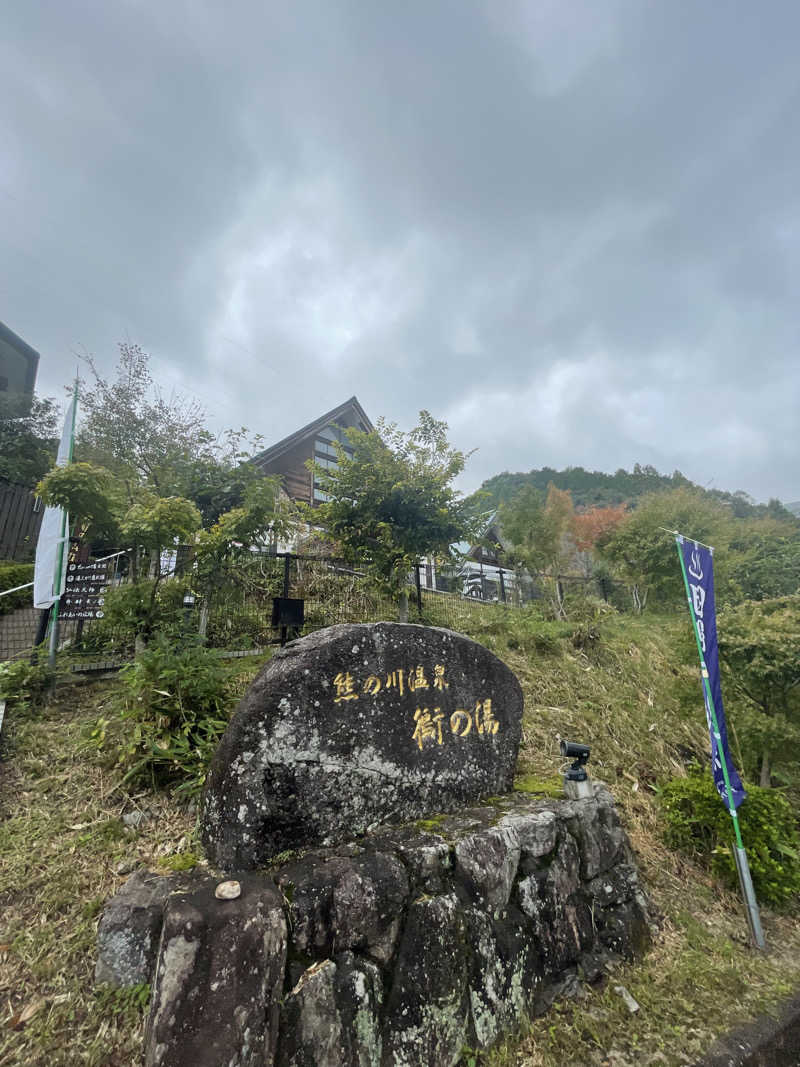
129,427
161,444
540,531
28,439
643,554
765,558
149,475
393,501
759,645
263,517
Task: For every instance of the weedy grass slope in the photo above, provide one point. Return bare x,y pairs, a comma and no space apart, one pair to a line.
620,684
65,850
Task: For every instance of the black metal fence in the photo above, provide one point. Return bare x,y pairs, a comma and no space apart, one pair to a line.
236,612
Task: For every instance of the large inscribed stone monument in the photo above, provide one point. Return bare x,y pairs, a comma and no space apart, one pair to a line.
371,939
358,725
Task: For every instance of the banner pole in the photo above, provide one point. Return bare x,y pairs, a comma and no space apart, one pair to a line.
740,855
51,659
51,655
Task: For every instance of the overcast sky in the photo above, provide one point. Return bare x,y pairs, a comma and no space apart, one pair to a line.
571,229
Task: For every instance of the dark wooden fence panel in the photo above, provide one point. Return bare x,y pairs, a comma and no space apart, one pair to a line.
20,518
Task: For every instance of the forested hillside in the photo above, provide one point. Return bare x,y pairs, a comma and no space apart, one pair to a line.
592,488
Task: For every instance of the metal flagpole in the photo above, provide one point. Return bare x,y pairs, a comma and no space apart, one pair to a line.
60,554
740,856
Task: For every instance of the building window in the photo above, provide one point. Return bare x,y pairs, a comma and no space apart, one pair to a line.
322,448
325,455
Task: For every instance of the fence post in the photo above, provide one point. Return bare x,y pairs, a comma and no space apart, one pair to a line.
286,567
502,586
419,588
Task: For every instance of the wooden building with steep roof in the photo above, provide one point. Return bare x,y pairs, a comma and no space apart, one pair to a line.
288,457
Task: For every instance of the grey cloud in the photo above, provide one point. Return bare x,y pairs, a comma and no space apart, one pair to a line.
558,225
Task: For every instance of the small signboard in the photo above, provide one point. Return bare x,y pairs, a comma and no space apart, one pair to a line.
84,591
287,611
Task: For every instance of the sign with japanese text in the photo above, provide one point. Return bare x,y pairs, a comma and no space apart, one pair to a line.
85,590
433,719
357,725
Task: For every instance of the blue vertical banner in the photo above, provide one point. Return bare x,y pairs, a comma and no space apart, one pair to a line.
698,572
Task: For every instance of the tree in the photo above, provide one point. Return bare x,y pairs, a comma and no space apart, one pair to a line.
221,483
765,558
146,440
759,645
540,531
596,524
162,445
98,509
263,517
590,488
28,439
150,476
153,523
393,501
642,551
88,493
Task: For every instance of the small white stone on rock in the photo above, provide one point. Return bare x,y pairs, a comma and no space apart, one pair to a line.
228,891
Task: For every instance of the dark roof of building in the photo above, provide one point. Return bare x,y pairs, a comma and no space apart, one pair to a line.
351,407
22,348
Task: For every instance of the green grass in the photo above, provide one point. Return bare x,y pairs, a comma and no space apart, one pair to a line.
616,683
698,980
62,840
65,850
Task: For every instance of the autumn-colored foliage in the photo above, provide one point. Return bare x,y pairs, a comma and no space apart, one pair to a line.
590,526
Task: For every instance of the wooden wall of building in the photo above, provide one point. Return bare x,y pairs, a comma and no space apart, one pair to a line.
20,518
297,478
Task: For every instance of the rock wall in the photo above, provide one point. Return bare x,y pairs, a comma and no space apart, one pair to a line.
404,947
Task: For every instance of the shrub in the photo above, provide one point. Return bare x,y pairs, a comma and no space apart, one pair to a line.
537,635
139,607
698,820
172,714
23,684
239,630
12,575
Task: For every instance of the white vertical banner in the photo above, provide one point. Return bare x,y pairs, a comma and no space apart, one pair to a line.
54,532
